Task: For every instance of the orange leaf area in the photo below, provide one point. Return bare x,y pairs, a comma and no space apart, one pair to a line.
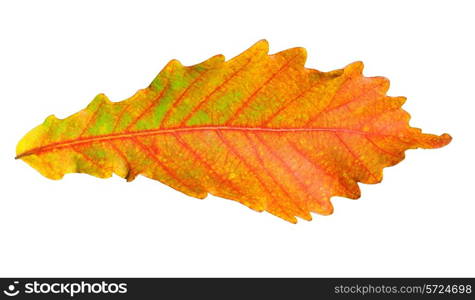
259,129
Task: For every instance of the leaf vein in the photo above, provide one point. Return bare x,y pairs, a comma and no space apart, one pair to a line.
248,100
221,85
355,156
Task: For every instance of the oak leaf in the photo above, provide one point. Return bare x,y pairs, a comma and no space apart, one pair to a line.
259,129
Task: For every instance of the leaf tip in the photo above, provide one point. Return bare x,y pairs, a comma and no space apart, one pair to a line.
355,68
50,119
96,102
445,139
297,54
437,141
261,45
400,100
431,141
173,64
130,175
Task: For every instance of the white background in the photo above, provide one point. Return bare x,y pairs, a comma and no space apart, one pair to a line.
57,55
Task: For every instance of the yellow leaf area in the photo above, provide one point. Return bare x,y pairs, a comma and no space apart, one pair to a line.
259,129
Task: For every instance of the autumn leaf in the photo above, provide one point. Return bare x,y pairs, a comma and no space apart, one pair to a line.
259,129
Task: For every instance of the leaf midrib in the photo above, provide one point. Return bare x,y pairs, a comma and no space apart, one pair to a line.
151,132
